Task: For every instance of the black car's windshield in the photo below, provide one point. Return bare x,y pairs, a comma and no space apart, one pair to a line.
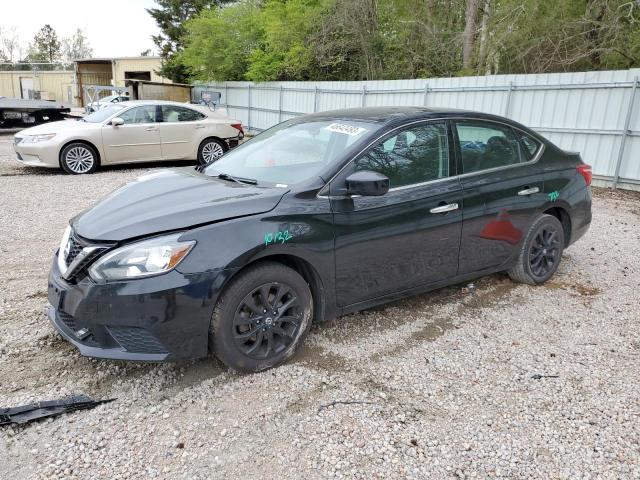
102,115
291,152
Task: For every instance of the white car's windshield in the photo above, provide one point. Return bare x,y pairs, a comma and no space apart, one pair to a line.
291,152
106,99
102,115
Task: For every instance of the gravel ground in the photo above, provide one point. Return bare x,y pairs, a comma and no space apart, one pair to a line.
442,385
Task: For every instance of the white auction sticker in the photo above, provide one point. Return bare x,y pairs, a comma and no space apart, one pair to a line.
346,129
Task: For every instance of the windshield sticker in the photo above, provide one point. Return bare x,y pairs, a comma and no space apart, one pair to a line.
280,236
553,196
346,129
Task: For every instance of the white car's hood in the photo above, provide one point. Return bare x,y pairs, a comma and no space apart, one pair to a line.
55,127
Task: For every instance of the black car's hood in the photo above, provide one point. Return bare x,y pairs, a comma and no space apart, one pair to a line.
171,199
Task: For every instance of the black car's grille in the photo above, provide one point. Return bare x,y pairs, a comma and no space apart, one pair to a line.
74,247
136,340
70,323
67,320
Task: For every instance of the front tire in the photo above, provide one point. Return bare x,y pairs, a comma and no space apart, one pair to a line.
540,253
210,150
79,158
261,318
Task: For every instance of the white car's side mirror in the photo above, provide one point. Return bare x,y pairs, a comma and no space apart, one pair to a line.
117,121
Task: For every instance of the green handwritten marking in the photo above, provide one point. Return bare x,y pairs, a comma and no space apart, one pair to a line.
553,196
280,236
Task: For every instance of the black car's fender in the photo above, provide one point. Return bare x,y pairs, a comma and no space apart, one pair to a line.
290,235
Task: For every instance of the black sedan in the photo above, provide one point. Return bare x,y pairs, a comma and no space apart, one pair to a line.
317,217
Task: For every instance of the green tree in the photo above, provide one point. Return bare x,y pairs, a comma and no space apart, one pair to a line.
283,52
388,39
171,16
220,41
45,47
76,46
551,36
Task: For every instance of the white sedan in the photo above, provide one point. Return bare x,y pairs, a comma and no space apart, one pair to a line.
129,132
104,102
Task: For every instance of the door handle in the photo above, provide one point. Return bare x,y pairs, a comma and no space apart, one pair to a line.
151,129
444,208
529,191
200,126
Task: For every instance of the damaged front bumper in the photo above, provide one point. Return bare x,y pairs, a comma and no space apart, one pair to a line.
88,347
153,319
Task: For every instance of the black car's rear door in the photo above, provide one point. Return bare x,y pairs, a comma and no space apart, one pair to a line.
409,236
503,190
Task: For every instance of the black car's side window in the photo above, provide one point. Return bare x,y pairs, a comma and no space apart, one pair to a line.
530,145
417,154
485,145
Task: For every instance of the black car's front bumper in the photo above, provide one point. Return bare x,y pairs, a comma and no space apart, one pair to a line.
159,318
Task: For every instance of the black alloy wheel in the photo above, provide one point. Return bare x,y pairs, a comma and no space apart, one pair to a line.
267,320
544,251
261,317
541,251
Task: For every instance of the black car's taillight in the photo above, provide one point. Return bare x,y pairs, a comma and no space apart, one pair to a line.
586,172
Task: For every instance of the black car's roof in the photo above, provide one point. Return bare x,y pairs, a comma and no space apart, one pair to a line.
389,114
386,117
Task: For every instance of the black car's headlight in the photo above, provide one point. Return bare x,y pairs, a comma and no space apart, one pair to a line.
142,259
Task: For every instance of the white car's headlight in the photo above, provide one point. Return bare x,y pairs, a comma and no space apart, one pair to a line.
142,259
37,138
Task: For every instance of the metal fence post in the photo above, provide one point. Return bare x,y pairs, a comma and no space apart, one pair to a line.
280,105
249,108
315,99
364,95
226,95
625,133
426,94
508,105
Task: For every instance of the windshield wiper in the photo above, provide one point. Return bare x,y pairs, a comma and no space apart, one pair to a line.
226,176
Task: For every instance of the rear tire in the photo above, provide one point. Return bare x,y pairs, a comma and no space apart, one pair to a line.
261,318
79,158
210,150
540,253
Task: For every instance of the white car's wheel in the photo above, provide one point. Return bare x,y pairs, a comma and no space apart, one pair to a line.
210,150
78,159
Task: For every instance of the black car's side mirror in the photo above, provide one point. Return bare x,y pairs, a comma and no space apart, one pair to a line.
367,184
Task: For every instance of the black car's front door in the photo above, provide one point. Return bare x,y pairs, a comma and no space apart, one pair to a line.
408,237
503,189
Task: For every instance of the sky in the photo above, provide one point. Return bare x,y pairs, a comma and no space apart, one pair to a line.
115,28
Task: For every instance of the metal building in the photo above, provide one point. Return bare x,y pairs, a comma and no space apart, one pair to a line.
114,72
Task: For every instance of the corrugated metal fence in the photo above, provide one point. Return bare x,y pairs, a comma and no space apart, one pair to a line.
594,113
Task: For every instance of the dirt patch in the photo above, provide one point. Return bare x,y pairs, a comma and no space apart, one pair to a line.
577,289
615,194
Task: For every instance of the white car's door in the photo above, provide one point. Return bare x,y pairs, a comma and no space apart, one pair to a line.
137,140
181,131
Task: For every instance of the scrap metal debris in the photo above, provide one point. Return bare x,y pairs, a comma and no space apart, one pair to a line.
51,408
538,376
